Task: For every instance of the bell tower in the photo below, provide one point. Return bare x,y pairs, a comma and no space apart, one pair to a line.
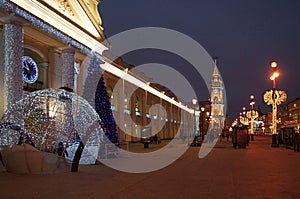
217,99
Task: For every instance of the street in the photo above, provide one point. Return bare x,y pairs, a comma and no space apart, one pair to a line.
257,171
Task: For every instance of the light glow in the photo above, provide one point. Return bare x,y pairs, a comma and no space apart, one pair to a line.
144,85
194,101
274,64
275,74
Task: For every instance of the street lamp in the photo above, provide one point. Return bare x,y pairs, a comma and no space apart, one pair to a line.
243,118
274,97
194,101
202,122
208,117
252,115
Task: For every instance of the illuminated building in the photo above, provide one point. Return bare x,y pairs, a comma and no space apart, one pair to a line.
65,40
217,99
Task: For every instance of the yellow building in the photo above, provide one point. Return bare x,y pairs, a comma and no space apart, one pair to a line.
60,43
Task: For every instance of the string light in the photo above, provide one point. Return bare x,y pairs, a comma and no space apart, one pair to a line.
71,120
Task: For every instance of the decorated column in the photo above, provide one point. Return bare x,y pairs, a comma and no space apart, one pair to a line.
13,52
94,73
68,60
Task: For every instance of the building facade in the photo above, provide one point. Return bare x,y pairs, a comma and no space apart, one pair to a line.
289,121
56,36
60,43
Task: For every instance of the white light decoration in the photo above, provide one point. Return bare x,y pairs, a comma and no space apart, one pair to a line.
144,85
52,116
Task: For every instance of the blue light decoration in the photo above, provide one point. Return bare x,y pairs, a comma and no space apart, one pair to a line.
103,108
30,71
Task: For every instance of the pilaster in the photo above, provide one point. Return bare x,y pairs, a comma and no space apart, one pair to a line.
68,60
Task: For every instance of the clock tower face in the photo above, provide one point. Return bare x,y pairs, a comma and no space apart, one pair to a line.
30,71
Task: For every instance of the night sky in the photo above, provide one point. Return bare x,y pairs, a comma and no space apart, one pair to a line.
245,36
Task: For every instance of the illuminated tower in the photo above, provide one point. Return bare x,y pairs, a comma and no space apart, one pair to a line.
217,99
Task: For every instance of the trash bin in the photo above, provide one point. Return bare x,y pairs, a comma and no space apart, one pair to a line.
146,144
240,136
145,136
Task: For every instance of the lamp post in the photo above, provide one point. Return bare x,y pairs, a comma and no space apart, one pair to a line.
243,118
202,122
252,115
208,117
274,97
123,104
194,101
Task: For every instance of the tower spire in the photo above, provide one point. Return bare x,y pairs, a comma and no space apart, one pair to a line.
215,60
216,98
215,71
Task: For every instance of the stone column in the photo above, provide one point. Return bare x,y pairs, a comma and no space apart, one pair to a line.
68,60
13,52
55,68
43,66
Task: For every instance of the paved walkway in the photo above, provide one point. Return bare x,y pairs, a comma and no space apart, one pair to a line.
258,171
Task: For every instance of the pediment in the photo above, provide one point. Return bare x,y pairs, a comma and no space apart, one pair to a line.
83,13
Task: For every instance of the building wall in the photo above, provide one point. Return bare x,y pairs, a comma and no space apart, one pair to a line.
48,52
138,109
289,114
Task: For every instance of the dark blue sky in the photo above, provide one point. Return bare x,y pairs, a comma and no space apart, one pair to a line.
245,35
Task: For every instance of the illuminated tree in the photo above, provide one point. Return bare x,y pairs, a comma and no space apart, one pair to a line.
103,108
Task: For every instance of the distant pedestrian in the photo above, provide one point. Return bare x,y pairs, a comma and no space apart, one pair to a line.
155,139
286,140
21,140
296,140
1,159
61,152
234,138
280,138
227,136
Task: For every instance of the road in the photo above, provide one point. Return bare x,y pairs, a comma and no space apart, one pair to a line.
257,171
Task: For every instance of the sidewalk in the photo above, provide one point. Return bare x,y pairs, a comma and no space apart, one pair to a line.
138,147
257,171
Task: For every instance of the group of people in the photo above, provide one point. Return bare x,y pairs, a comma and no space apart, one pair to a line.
223,135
